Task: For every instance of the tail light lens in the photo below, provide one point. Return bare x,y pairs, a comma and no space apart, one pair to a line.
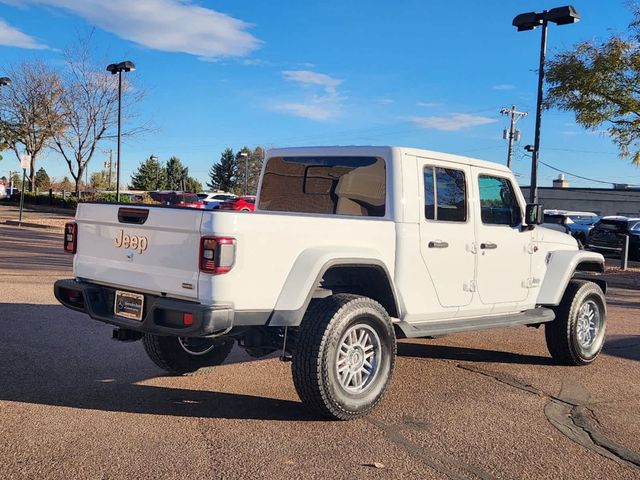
71,237
217,254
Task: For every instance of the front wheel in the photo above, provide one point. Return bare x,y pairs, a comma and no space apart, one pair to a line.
576,336
181,355
344,356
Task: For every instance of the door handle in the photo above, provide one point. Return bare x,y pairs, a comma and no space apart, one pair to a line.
438,244
488,246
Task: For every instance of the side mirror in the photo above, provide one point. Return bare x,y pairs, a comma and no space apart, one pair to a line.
534,214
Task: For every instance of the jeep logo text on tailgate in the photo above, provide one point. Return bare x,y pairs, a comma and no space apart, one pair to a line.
134,242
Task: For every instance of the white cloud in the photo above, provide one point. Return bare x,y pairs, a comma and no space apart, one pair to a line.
321,101
427,104
386,101
452,121
166,25
569,133
12,37
504,86
306,110
307,77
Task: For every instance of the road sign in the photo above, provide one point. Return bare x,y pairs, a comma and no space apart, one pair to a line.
25,160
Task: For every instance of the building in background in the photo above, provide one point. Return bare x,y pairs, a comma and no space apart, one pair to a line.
619,200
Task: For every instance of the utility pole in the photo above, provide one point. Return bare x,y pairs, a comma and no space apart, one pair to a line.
512,134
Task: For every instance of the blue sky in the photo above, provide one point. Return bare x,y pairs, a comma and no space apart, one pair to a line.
417,73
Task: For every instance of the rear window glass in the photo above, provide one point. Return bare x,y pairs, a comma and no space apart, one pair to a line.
325,185
448,191
557,219
612,225
583,219
186,198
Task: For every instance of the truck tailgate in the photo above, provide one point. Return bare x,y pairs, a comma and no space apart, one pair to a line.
157,256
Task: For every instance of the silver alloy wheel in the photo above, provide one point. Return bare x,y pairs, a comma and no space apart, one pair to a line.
196,346
358,358
588,324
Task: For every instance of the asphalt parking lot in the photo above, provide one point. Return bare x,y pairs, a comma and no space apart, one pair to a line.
487,405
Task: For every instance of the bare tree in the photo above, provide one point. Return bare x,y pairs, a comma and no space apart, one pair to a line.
31,110
90,102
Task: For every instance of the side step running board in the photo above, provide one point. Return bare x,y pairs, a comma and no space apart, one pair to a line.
426,329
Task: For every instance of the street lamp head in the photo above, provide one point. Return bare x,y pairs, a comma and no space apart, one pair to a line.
125,66
559,16
243,154
527,21
563,15
5,81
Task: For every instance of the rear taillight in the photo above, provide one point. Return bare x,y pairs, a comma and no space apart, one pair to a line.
217,254
71,237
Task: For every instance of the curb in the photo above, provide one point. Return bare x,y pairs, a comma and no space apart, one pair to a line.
16,223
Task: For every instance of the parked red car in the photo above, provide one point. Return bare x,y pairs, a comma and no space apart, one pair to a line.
178,199
244,203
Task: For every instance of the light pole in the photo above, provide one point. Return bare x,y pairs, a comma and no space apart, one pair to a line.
528,21
118,68
153,158
245,155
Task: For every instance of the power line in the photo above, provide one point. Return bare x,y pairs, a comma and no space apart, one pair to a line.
579,176
575,175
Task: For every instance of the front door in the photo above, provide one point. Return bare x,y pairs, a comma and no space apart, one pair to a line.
446,231
504,258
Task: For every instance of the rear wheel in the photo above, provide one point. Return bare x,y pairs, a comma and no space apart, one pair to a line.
344,356
181,355
576,336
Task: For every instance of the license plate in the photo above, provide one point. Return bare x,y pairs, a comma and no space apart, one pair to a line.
128,305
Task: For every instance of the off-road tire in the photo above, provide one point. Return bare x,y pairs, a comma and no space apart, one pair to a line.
167,353
314,367
562,333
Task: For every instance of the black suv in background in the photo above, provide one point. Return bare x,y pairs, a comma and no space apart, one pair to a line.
608,236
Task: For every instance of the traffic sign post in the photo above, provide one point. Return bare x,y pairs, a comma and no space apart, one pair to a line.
25,162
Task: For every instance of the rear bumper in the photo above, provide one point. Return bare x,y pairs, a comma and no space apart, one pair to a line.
161,316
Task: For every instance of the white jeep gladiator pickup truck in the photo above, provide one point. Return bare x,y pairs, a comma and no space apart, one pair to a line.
349,248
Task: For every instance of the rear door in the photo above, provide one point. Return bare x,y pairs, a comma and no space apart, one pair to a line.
446,230
140,248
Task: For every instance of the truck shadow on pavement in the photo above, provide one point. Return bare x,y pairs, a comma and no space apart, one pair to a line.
52,356
447,352
623,346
